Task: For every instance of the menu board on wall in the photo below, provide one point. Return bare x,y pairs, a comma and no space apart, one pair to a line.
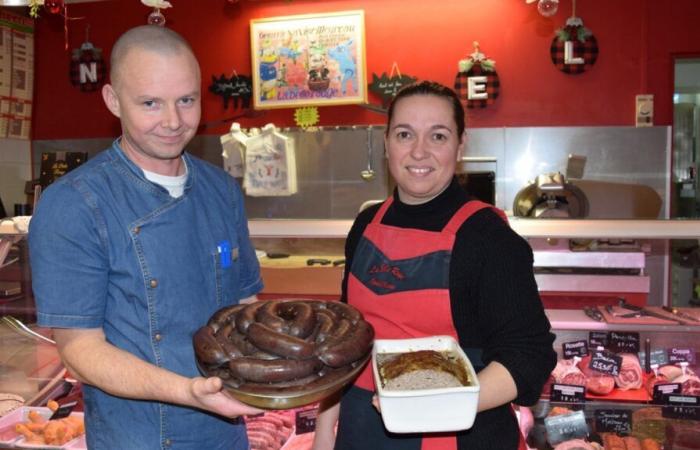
16,75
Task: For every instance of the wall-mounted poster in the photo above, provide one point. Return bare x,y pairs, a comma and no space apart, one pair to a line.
314,59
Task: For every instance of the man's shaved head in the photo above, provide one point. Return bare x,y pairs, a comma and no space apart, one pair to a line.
151,38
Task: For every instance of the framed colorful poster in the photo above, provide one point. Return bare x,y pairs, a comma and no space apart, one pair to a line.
314,59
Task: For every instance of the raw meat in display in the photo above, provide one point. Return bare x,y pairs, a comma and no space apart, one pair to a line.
575,444
682,437
269,431
630,376
566,372
596,382
690,384
670,371
653,381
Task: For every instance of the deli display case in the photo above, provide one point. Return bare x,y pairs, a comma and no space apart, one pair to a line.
31,367
638,407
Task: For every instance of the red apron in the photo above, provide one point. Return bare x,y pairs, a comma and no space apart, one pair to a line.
399,279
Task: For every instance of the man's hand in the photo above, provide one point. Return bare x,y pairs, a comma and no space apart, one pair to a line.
207,394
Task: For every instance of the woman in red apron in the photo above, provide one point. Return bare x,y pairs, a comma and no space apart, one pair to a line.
430,261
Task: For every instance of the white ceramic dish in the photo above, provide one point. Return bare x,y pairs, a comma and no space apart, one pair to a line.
426,410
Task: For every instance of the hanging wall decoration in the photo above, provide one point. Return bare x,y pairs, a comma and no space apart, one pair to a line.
574,49
238,88
309,60
546,8
386,86
156,17
477,82
87,66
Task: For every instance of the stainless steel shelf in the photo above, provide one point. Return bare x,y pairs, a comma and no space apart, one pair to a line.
530,228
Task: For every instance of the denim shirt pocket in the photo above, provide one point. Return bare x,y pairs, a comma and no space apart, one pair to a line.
227,271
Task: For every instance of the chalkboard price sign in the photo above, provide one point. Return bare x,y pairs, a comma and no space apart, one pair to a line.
575,348
661,392
567,393
658,356
681,407
676,355
306,420
624,342
606,362
597,339
565,427
613,420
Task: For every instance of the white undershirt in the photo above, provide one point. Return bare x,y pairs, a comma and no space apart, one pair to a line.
175,185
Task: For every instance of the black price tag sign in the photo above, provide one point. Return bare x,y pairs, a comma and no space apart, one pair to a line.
565,427
624,342
306,420
662,390
597,339
658,356
63,411
613,420
575,348
677,355
681,407
605,362
568,393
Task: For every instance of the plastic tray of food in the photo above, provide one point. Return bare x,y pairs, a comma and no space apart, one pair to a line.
32,419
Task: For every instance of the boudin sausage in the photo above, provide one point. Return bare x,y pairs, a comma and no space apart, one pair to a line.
337,352
272,371
271,341
302,319
246,316
346,311
207,348
268,315
223,315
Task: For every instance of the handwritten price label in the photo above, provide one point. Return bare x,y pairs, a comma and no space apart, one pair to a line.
606,362
568,393
575,348
627,342
597,339
613,420
565,427
305,420
681,407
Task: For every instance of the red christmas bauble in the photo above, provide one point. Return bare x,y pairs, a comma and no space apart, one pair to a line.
54,6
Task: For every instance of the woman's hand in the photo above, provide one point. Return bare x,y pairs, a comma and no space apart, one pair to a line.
375,403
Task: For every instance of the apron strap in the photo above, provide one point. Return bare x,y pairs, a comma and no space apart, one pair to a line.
382,210
466,211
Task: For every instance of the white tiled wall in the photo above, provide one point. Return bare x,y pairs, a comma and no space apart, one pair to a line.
15,170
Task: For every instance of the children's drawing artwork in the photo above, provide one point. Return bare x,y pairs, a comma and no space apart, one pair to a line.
306,60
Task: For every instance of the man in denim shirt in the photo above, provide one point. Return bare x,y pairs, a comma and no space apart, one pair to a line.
129,257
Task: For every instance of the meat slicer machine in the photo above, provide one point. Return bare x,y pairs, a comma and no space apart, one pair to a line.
587,272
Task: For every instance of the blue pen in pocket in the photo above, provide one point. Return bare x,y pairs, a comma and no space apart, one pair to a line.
224,250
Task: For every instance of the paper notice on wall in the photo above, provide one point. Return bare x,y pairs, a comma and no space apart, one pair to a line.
270,164
5,61
16,75
22,65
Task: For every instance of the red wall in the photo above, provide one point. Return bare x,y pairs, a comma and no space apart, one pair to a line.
637,41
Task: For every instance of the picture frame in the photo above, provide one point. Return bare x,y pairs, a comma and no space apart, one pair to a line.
309,60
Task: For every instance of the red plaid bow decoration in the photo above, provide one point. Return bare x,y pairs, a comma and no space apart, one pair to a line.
87,68
493,86
587,50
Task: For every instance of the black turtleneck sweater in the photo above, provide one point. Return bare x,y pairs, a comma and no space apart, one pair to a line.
494,299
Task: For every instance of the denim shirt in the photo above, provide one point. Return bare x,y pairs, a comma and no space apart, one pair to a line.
112,250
